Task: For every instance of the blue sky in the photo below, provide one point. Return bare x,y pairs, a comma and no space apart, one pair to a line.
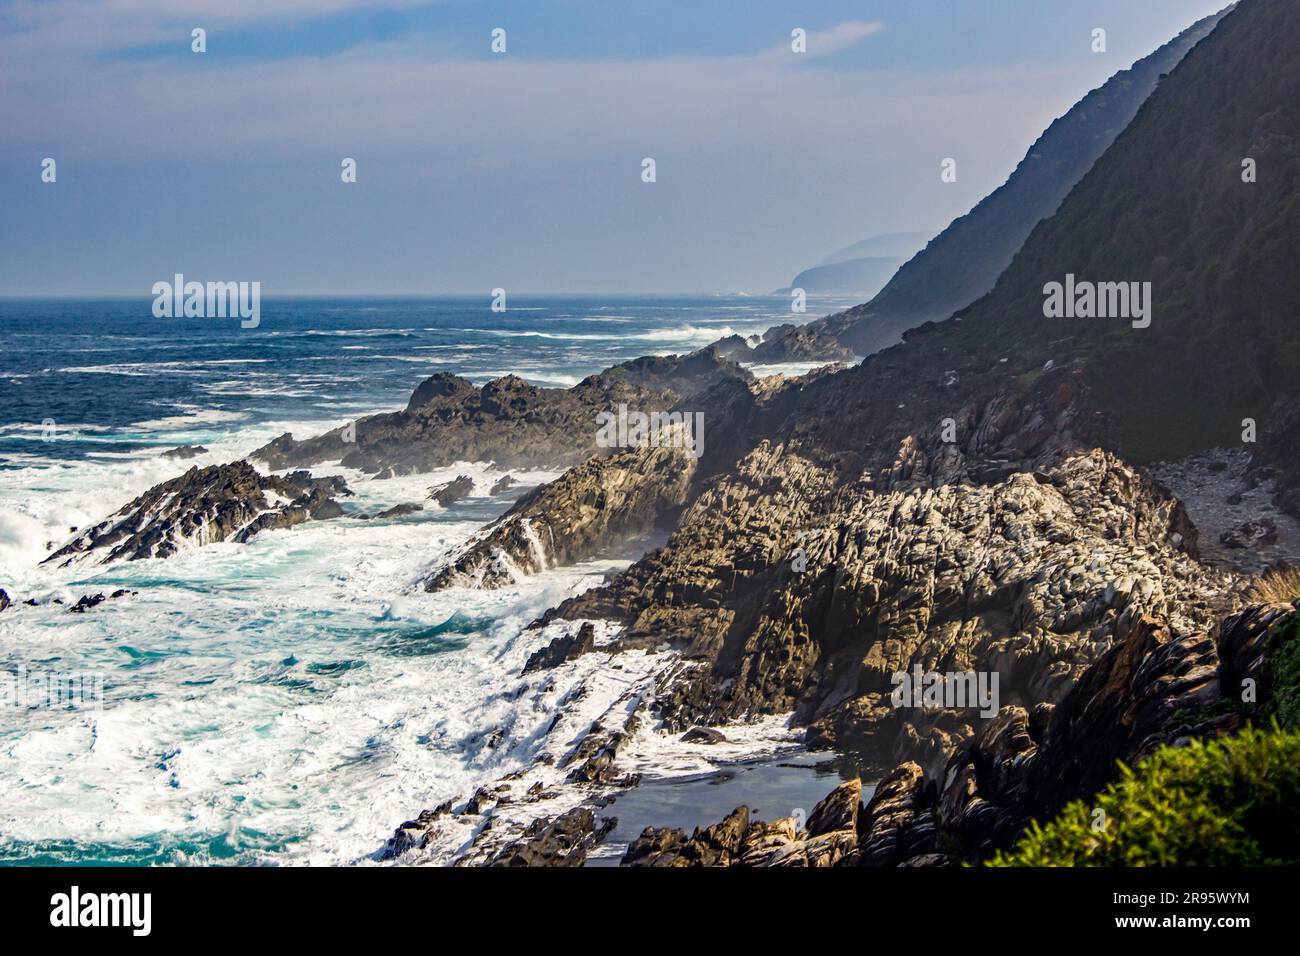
520,170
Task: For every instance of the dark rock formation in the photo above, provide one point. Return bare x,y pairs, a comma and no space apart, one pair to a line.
703,735
1152,688
718,845
599,503
184,452
507,421
450,492
1251,534
397,511
562,649
831,835
504,483
5,602
564,841
217,503
811,603
88,601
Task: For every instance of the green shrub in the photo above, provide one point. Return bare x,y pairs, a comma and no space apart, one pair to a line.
1228,802
1284,672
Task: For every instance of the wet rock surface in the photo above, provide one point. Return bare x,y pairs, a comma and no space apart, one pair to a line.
397,511
597,504
564,841
230,502
184,452
563,648
448,493
88,601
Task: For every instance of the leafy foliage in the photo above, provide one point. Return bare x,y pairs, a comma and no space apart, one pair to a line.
1228,802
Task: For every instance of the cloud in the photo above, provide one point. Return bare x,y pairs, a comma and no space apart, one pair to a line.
833,40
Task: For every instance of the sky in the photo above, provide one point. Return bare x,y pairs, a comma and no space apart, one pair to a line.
523,169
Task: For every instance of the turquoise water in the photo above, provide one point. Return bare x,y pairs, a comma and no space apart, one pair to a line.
293,699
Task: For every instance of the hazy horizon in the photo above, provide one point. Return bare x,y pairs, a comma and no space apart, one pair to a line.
521,169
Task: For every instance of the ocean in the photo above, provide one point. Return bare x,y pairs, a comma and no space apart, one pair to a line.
293,699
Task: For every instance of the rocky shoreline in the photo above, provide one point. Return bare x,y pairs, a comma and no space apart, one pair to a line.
1019,500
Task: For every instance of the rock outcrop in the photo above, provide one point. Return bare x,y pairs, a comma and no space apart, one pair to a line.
809,596
564,841
184,452
595,505
1152,688
219,503
507,421
450,492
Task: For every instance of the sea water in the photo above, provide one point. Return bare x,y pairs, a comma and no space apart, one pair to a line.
289,700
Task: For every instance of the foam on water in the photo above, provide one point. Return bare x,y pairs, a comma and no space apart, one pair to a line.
294,698
289,699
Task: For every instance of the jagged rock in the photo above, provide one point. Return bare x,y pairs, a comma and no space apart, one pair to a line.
5,602
564,841
184,452
561,649
1026,577
762,840
599,503
703,735
414,834
1152,688
450,492
397,511
1251,534
504,483
480,801
87,601
899,822
507,421
203,506
719,845
837,811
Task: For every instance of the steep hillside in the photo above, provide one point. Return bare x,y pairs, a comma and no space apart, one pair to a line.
964,261
920,547
1168,205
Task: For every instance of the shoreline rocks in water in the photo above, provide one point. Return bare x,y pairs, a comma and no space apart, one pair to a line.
602,502
448,493
397,511
507,421
184,452
1152,688
205,505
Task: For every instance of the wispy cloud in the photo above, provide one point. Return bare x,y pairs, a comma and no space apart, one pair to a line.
832,40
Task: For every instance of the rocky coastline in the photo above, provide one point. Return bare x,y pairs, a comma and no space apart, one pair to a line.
992,495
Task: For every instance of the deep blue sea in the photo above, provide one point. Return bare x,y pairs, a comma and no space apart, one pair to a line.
293,699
